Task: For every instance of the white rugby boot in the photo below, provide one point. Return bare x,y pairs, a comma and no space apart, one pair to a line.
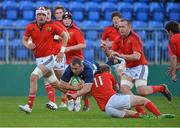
25,108
77,105
51,105
70,105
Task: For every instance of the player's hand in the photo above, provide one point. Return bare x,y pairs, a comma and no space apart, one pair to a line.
174,78
169,71
59,57
71,95
31,46
57,37
67,49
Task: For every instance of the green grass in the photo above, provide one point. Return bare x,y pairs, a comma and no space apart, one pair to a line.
10,115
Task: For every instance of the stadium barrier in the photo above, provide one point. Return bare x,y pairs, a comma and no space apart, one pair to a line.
15,79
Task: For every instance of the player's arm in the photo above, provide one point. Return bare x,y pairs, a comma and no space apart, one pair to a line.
66,86
80,42
64,36
132,57
173,67
28,43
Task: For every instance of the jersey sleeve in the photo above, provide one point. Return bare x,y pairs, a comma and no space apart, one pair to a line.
136,45
171,48
27,31
88,76
57,29
79,37
67,74
116,44
105,34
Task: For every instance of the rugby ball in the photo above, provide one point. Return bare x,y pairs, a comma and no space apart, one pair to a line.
75,80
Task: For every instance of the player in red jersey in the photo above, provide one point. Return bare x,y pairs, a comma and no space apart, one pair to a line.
42,34
111,32
173,28
117,104
59,66
136,72
75,46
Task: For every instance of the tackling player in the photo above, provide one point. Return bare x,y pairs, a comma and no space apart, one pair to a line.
116,104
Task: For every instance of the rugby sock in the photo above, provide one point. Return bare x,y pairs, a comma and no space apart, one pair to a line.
140,110
31,99
158,88
51,93
63,100
152,108
87,102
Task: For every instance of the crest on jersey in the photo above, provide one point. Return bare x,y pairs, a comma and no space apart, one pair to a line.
128,42
71,33
48,29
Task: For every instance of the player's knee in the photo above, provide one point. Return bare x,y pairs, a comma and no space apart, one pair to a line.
142,91
33,77
125,89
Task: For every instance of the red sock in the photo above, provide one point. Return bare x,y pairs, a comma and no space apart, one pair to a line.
158,88
140,110
51,93
136,115
63,100
31,99
152,108
87,102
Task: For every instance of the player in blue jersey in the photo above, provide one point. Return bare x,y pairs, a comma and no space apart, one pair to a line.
85,70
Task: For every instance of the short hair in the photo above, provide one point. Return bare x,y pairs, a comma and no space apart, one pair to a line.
173,26
126,20
116,14
76,60
59,7
103,68
47,8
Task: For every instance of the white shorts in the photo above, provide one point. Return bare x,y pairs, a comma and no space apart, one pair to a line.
48,61
116,104
138,72
60,65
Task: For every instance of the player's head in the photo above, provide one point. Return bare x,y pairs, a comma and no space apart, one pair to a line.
116,17
59,12
103,68
76,65
49,14
67,19
124,27
172,27
41,15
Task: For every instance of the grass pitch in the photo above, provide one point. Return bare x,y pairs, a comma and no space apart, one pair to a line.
11,116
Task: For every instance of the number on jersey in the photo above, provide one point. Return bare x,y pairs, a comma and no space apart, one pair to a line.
98,81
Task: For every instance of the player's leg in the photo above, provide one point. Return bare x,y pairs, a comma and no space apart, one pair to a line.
142,101
141,84
85,98
126,86
118,106
35,75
